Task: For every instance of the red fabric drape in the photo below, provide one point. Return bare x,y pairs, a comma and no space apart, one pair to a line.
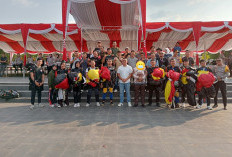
64,19
109,13
219,43
114,35
47,44
144,20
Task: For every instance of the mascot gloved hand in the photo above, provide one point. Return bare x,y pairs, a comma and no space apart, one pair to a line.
94,77
158,74
205,83
105,74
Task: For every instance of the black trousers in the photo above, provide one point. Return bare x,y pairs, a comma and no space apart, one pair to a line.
77,94
49,69
200,99
16,66
222,86
157,90
95,90
33,92
53,96
189,91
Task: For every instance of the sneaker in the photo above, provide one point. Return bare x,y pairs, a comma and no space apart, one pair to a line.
65,105
98,104
52,105
40,105
183,105
76,105
225,108
158,104
103,103
87,105
209,108
198,106
135,105
115,90
31,107
120,104
215,106
129,104
58,106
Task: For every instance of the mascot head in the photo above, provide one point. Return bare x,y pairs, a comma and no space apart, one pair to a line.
140,65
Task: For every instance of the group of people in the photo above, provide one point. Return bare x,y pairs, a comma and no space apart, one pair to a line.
108,71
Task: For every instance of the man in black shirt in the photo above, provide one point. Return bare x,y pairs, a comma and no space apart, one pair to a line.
187,56
36,82
107,56
153,85
3,63
97,59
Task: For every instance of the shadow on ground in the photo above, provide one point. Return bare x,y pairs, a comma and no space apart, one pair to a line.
125,117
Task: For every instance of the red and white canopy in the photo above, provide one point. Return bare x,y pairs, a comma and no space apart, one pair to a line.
35,38
194,36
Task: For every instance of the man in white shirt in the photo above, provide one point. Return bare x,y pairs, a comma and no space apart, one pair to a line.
124,73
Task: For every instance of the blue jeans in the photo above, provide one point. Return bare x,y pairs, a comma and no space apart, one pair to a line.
122,87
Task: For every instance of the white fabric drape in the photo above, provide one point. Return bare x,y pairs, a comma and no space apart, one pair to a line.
35,46
130,14
5,47
15,37
42,31
85,14
9,31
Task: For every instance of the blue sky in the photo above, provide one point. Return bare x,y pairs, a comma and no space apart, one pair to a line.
49,11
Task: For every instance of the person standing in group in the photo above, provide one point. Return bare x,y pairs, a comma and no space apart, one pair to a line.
84,63
162,62
124,73
188,84
51,85
221,72
148,64
114,48
77,84
62,93
187,56
203,68
93,84
177,48
175,68
50,62
153,85
139,76
117,63
36,83
3,64
107,56
132,60
176,58
96,59
75,58
108,85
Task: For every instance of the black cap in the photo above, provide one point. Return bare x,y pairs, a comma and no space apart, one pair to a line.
158,49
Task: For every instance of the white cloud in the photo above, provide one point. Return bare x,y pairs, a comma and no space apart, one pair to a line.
25,3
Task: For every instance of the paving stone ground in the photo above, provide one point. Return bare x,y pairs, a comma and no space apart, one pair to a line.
114,132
